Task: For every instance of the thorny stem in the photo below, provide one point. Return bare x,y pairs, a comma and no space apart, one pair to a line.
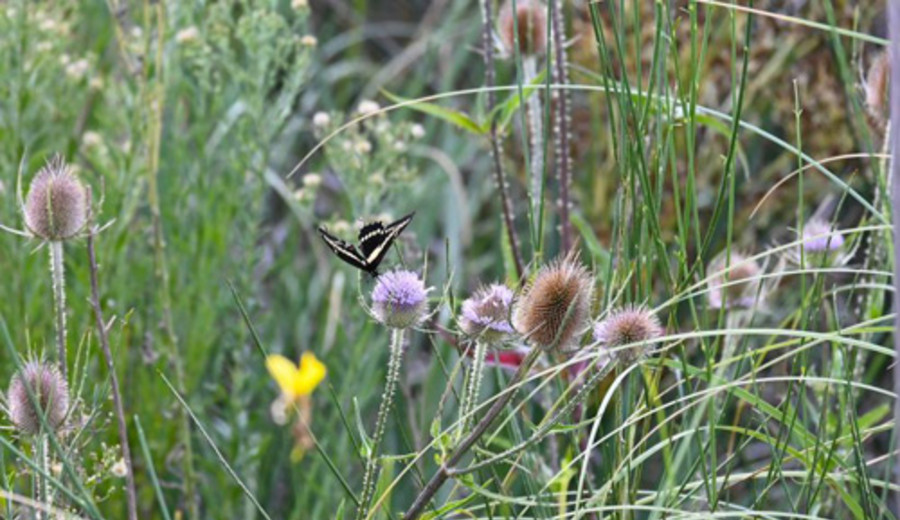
567,409
496,147
116,393
536,133
443,473
476,373
58,275
155,102
42,485
384,410
561,124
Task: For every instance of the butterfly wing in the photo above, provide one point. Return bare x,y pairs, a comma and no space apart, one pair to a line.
378,241
343,250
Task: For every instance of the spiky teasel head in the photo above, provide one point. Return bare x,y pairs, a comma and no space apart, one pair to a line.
733,283
51,395
876,89
628,333
485,315
400,299
820,245
528,25
555,308
58,203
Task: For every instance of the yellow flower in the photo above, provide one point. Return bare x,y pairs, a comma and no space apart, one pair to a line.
296,381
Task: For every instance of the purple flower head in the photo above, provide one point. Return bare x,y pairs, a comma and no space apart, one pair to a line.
486,313
400,299
818,237
46,385
626,327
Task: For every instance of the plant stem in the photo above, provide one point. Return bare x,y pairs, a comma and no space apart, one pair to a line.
562,121
43,487
496,147
116,393
894,49
536,133
58,276
443,473
476,373
384,411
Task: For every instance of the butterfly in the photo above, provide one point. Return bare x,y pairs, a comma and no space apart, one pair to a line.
375,239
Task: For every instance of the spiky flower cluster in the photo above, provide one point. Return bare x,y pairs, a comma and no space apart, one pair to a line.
524,28
556,305
485,315
733,283
51,395
628,332
400,299
57,204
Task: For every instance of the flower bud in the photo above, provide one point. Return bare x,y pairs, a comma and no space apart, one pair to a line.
50,392
56,207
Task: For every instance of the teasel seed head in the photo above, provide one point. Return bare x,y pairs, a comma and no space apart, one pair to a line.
877,91
528,22
555,307
485,315
738,286
51,393
57,205
633,327
400,299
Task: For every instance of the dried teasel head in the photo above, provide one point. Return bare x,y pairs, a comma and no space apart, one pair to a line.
524,27
628,332
555,307
733,281
51,395
877,90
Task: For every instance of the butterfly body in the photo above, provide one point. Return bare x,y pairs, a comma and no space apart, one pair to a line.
375,239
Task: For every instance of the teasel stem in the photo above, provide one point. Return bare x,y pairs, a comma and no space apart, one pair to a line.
894,49
444,472
496,146
473,386
58,276
562,123
43,487
543,429
114,380
384,411
536,134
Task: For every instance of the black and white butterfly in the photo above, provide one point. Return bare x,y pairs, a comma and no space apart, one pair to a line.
375,239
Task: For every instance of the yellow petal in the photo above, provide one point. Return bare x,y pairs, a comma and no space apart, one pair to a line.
284,372
311,373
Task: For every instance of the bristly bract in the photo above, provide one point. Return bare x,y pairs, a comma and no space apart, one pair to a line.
375,239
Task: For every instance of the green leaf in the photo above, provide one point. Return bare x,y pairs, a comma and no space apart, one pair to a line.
449,115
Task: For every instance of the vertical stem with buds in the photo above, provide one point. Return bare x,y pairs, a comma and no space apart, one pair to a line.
536,134
473,386
496,147
561,123
59,301
384,411
43,487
